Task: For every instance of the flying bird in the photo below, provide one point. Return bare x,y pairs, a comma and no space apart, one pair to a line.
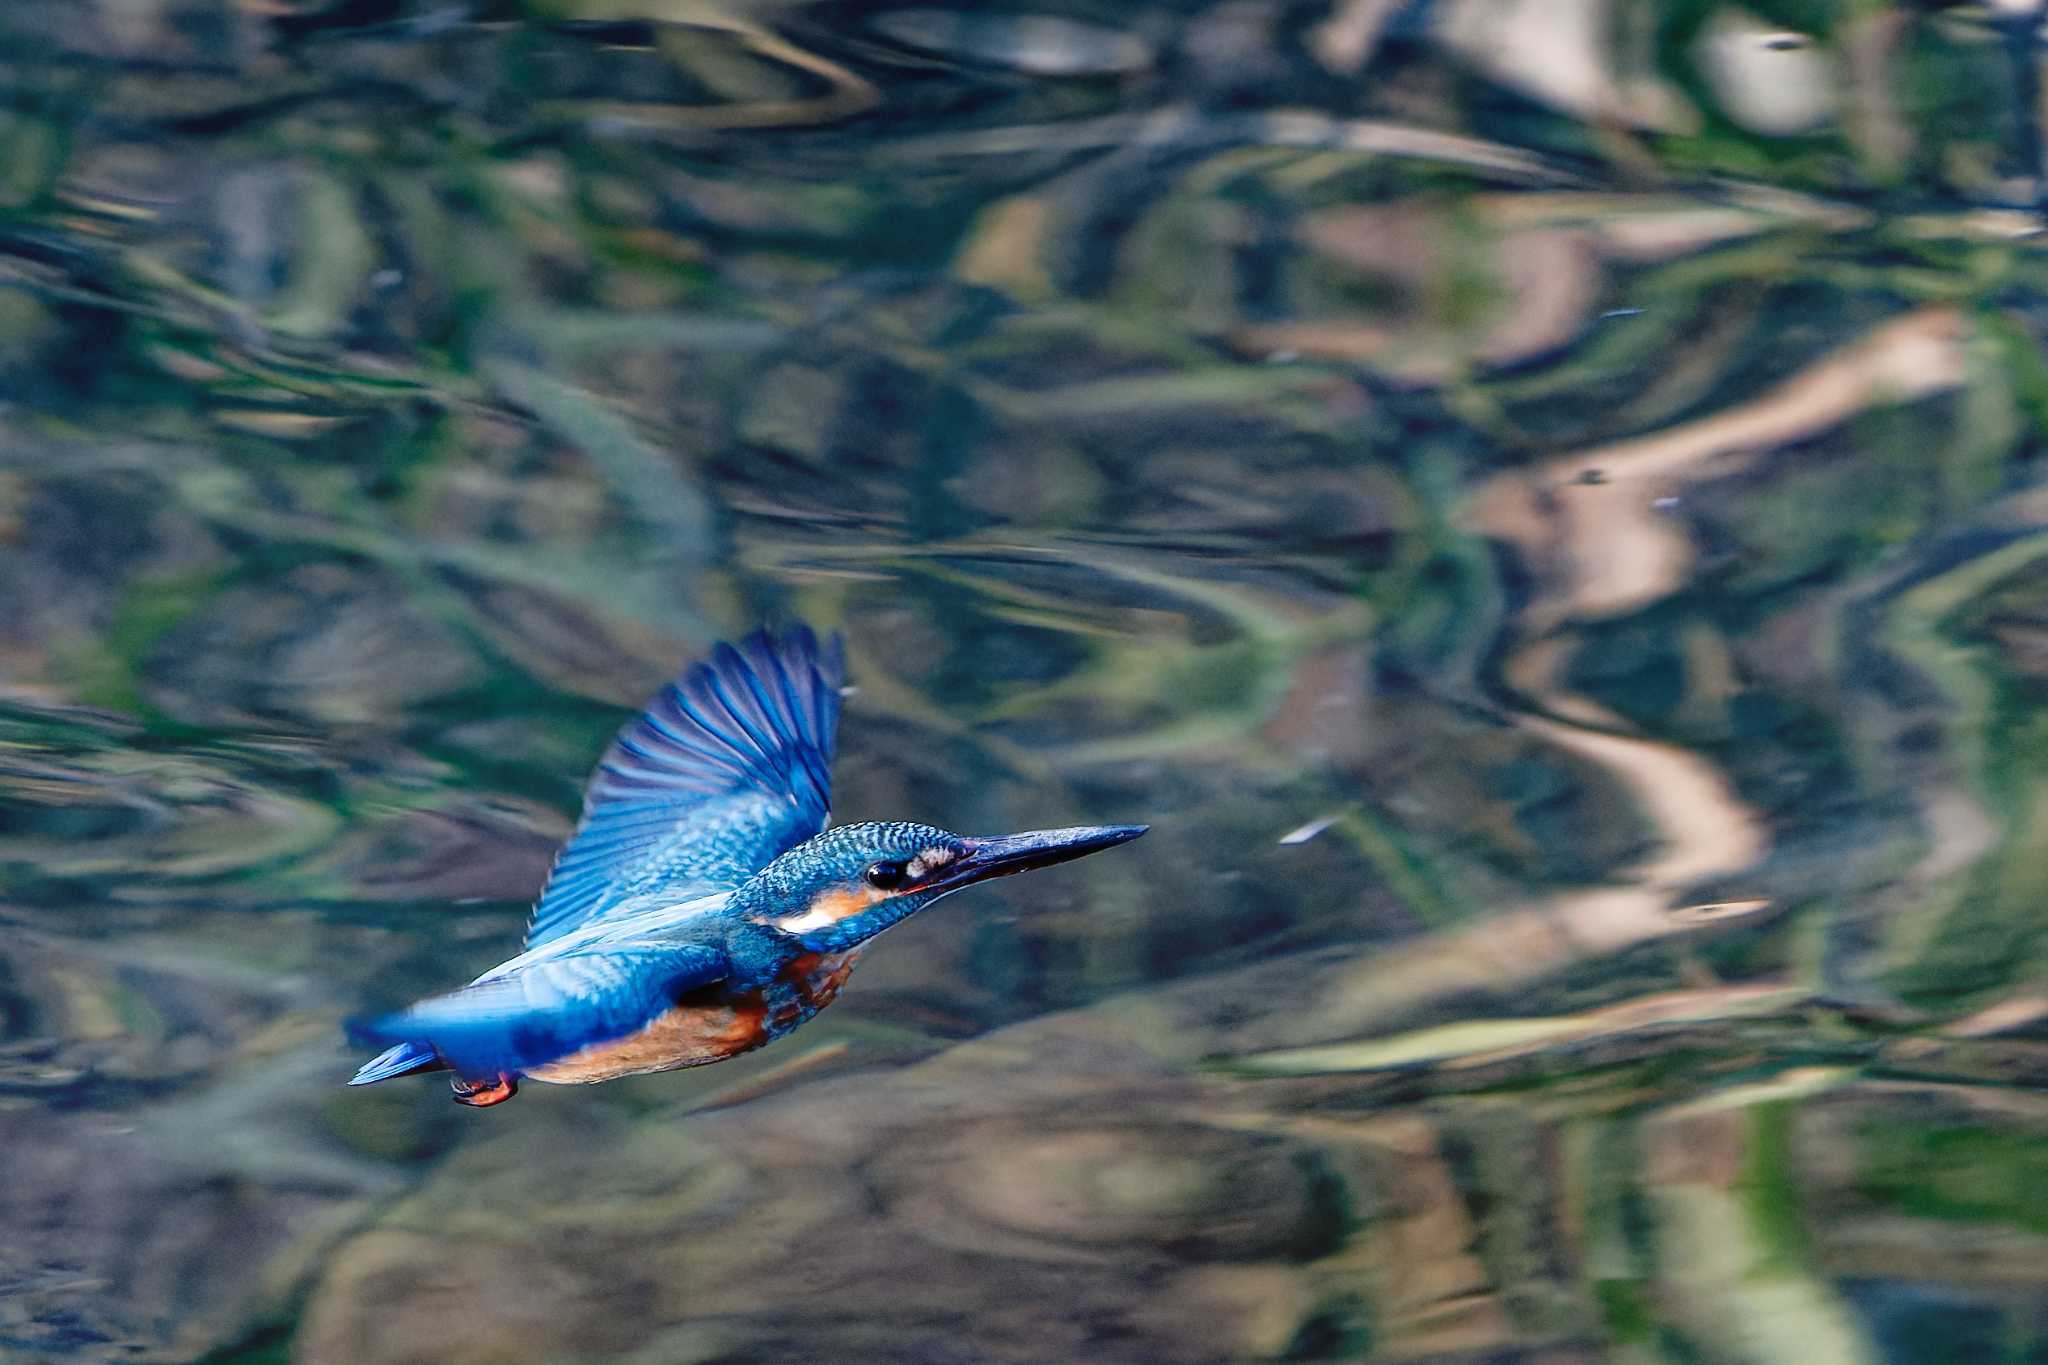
702,908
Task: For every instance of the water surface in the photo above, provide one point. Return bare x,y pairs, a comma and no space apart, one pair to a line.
1538,503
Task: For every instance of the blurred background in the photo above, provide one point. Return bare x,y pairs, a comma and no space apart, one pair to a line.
1540,502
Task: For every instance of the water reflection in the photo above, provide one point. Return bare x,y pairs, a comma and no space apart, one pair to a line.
1535,502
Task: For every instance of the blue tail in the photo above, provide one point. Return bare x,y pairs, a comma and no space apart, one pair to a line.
398,1061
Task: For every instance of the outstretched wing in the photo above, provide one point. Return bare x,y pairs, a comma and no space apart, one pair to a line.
527,1018
728,767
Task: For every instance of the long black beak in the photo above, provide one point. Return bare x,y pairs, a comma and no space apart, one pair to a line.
1006,854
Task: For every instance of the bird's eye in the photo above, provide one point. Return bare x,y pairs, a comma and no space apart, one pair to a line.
885,876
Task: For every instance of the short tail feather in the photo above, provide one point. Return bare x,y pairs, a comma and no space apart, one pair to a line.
398,1061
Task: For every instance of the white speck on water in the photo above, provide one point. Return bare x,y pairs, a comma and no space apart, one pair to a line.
1308,831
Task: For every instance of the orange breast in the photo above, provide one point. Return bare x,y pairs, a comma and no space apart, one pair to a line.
701,1031
818,976
688,1035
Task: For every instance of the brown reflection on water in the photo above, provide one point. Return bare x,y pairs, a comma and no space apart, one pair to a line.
1538,504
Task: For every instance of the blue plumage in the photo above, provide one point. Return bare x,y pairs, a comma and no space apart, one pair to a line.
699,910
402,1060
509,1021
729,766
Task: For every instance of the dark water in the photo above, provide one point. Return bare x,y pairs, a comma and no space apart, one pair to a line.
1540,502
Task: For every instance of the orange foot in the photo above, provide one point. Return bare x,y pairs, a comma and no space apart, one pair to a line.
482,1095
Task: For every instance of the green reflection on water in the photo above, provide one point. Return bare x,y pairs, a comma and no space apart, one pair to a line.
1538,506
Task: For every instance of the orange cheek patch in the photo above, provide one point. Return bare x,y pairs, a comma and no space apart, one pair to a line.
832,906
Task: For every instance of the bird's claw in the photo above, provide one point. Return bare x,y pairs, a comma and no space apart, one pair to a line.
484,1094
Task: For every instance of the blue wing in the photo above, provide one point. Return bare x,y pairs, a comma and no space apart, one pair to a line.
538,1013
728,767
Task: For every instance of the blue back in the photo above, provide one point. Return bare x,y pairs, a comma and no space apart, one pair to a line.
728,767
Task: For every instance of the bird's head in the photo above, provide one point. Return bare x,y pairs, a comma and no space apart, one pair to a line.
848,884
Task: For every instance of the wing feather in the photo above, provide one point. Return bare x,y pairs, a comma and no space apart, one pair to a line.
728,766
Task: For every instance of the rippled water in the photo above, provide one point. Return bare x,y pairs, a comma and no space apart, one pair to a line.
1538,501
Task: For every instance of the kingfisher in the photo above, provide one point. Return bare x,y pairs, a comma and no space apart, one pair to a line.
702,908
